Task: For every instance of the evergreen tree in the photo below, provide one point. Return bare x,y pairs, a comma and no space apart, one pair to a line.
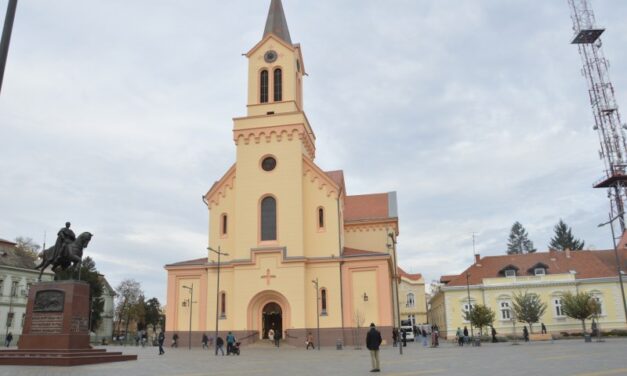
564,238
519,242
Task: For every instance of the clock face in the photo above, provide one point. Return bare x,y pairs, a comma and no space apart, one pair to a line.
270,56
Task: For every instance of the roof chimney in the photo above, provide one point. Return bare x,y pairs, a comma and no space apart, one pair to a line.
477,258
567,250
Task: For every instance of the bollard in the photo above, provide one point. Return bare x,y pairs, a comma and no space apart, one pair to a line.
587,338
338,344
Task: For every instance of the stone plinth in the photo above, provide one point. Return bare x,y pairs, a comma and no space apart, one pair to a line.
56,328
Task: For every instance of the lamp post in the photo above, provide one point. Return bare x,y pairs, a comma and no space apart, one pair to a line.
191,304
315,282
398,307
6,37
219,253
620,273
472,334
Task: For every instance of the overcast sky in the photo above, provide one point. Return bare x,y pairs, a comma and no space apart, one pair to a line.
116,115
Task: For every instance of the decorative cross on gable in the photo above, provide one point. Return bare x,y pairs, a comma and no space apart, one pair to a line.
268,276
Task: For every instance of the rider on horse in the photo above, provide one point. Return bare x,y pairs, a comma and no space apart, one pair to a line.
65,236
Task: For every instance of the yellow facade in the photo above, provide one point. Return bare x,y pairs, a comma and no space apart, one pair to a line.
259,274
446,307
412,299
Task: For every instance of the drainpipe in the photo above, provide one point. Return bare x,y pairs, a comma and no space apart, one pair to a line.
341,255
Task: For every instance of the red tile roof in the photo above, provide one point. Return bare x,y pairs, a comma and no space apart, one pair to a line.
364,207
586,264
448,278
338,177
413,277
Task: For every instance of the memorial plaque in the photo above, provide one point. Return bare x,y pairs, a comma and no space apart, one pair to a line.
49,301
79,324
47,323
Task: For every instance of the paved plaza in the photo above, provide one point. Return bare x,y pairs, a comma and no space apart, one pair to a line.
567,357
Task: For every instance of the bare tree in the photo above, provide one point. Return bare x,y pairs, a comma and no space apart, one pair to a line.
129,292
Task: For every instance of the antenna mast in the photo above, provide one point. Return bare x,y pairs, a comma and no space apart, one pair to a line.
607,120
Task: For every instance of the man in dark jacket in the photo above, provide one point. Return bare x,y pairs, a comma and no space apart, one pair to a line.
373,341
161,339
219,345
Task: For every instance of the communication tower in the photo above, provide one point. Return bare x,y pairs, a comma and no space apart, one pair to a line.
607,121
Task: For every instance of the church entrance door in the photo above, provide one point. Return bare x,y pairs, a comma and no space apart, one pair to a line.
272,318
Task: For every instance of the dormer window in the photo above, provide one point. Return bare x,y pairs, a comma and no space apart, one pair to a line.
510,273
539,271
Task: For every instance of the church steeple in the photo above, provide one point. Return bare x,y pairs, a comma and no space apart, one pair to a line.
276,22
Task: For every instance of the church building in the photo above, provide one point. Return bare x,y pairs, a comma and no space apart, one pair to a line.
295,250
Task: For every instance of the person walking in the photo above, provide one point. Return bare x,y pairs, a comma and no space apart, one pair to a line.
219,345
310,341
425,342
525,333
230,341
175,340
205,341
277,338
460,337
543,328
271,335
373,341
466,338
160,340
394,337
494,340
404,336
7,341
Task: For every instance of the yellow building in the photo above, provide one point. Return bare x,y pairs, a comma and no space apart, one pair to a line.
283,223
493,280
412,297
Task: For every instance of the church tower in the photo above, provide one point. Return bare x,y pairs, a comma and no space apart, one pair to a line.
281,223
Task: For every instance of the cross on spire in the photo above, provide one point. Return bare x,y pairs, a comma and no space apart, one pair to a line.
268,276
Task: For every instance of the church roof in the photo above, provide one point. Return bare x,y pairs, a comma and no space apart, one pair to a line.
338,177
410,276
276,22
370,207
198,261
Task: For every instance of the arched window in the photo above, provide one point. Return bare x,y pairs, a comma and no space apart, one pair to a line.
223,304
323,301
263,86
224,222
410,300
278,85
268,218
320,218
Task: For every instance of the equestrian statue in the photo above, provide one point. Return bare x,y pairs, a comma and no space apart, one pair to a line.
66,251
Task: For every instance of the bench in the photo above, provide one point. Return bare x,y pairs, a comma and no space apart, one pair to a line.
540,337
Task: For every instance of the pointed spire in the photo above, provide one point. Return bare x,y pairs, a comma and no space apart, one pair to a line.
277,23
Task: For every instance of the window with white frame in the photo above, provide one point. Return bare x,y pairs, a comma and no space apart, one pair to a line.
410,300
506,311
466,308
557,303
539,271
510,273
599,300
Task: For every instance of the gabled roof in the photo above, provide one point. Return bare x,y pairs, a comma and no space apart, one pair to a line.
276,22
370,207
585,264
412,277
7,241
338,177
198,261
11,256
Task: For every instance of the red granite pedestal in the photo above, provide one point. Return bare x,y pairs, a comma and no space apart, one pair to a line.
56,329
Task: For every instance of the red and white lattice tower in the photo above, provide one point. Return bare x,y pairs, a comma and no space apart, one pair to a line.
607,120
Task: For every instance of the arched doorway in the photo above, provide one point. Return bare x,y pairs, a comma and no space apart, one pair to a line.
271,318
268,301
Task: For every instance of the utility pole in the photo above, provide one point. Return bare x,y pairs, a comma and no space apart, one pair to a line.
6,37
618,269
219,253
472,334
315,282
398,306
191,304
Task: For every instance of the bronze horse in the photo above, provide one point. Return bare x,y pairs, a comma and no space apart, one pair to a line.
71,253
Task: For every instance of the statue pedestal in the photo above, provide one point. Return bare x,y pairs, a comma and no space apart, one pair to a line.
56,328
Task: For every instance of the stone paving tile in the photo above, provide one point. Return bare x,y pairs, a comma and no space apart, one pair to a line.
572,357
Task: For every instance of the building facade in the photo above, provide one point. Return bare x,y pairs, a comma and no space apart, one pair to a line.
105,328
493,280
296,249
17,274
412,297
